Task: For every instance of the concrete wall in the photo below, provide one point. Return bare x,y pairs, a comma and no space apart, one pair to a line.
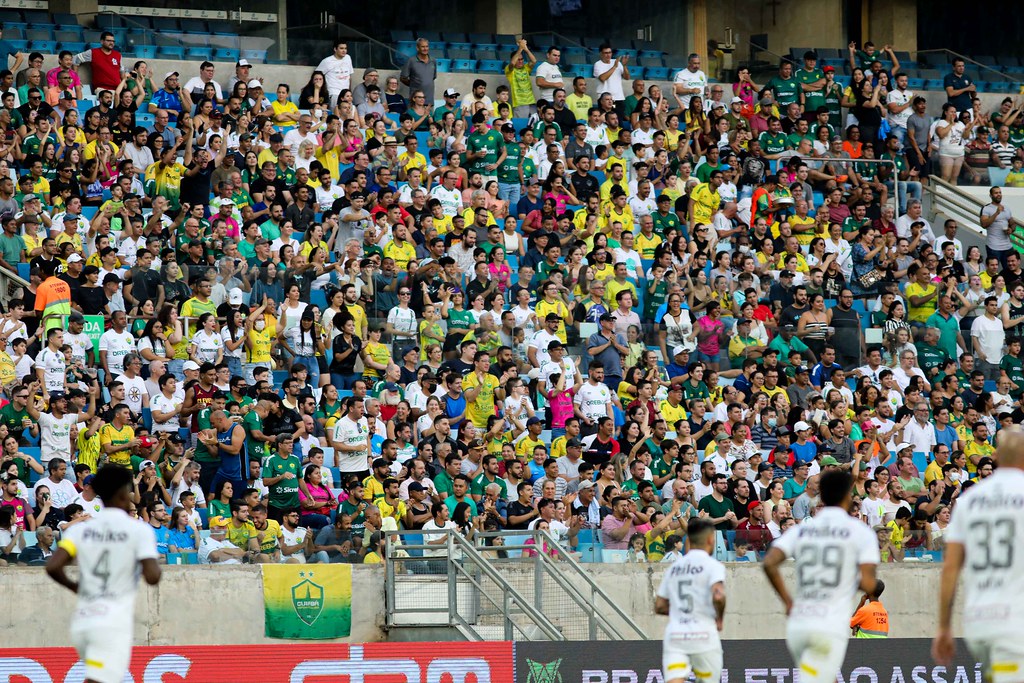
191,605
224,605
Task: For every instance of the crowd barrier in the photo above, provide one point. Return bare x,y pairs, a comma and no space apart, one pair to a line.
762,661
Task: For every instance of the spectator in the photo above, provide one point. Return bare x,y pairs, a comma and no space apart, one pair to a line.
420,71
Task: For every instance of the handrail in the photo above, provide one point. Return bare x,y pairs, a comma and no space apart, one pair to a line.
967,209
9,280
563,40
967,60
568,559
455,541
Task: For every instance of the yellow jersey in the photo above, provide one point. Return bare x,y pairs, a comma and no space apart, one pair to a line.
401,254
544,307
482,408
109,434
706,202
647,245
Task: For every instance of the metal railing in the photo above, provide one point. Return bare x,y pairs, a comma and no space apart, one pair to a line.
966,209
10,283
511,588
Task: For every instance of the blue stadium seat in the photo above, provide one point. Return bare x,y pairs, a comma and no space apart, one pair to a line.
23,269
65,35
145,51
491,66
455,53
64,19
574,55
171,52
656,73
200,53
39,33
480,38
73,47
257,56
36,16
483,52
463,65
224,54
432,36
44,46
444,66
455,37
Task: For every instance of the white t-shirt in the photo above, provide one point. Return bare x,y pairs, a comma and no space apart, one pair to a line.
303,343
210,545
989,523
91,507
134,392
428,537
451,202
897,97
80,345
691,613
296,537
613,85
337,74
829,549
593,400
195,488
351,433
540,341
690,79
62,493
551,73
161,403
990,335
117,345
109,548
208,345
53,366
55,436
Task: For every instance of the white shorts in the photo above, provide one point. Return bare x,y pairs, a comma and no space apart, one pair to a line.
817,655
1002,659
676,663
105,652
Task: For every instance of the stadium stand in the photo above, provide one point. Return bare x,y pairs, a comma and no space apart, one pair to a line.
557,302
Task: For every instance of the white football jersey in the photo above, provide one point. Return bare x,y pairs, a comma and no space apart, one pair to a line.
829,549
691,614
989,522
108,548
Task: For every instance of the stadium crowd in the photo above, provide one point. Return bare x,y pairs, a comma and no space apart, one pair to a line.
587,305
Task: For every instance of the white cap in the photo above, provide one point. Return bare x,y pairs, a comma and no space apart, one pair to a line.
190,365
243,62
74,258
901,446
169,74
801,426
235,296
254,83
678,350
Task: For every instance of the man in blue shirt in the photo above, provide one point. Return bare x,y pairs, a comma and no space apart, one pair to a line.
158,521
822,372
7,49
678,370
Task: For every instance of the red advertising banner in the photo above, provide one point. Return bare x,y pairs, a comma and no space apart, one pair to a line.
489,662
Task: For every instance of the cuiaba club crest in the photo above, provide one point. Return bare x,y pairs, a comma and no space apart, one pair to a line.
308,599
544,673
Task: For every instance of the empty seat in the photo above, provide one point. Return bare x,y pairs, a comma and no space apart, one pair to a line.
170,52
35,16
226,54
492,66
480,38
458,53
200,53
397,35
145,52
35,34
75,46
656,73
444,66
485,53
44,46
258,56
68,36
463,65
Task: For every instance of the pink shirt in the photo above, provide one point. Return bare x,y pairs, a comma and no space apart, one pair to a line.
710,346
561,407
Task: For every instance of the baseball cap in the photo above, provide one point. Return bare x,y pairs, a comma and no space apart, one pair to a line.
763,467
743,321
737,100
88,480
169,74
451,92
606,317
235,296
74,258
380,462
866,425
146,442
721,437
477,443
408,349
552,316
585,485
679,350
783,431
31,197
254,83
416,486
146,463
789,328
508,128
70,217
800,370
390,386
785,273
828,461
175,437
754,503
57,395
76,317
190,365
829,69
574,443
533,421
242,62
801,426
901,446
676,387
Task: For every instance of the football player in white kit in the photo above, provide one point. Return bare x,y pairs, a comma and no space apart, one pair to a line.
692,594
836,555
986,536
111,549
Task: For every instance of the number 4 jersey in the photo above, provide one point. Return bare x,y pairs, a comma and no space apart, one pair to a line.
691,616
109,548
829,549
989,522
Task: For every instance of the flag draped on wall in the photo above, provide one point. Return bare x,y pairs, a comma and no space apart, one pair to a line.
309,602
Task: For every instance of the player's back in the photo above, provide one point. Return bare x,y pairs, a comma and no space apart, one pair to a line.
989,522
687,587
829,549
109,547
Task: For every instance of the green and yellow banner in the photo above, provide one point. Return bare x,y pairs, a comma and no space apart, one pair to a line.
307,602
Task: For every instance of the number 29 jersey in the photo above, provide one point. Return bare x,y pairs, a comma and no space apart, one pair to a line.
829,549
989,522
108,548
691,614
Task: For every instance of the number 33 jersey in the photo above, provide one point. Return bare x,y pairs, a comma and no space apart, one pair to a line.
687,587
988,522
109,548
829,549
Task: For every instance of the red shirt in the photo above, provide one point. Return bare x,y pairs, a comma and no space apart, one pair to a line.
106,69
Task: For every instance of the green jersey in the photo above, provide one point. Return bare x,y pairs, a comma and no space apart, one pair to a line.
481,483
787,91
257,449
490,144
833,99
812,98
508,170
772,143
1014,369
285,493
794,138
663,223
203,453
538,130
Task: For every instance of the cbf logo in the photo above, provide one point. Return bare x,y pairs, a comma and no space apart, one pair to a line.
543,673
308,599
